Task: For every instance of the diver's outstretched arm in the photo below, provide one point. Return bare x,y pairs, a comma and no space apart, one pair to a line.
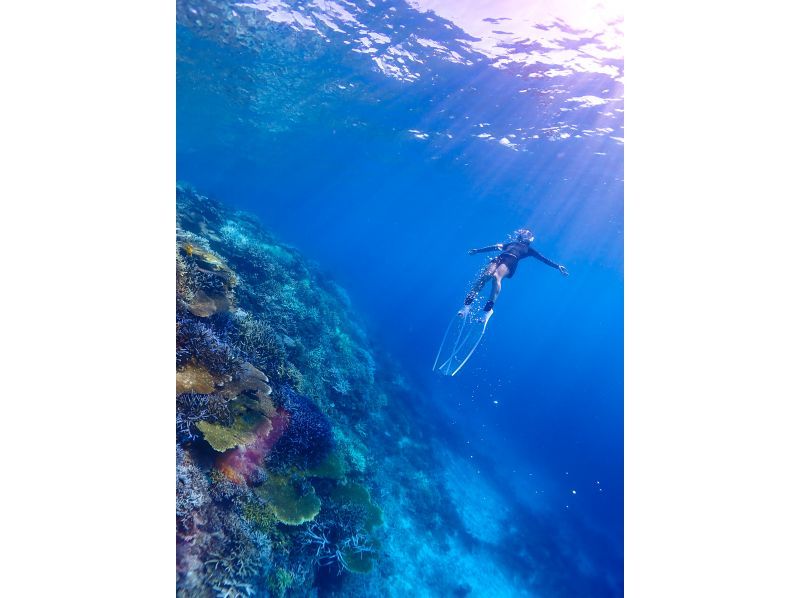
495,247
550,263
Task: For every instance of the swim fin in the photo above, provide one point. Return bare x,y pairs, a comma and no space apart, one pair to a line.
462,337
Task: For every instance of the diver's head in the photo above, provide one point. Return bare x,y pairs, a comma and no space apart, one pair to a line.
522,235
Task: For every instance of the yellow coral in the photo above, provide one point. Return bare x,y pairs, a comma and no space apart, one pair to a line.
290,507
193,378
204,305
222,438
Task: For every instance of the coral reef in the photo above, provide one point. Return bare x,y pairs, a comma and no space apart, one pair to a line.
198,345
291,503
204,278
222,438
309,437
210,563
332,467
257,467
192,409
245,463
357,497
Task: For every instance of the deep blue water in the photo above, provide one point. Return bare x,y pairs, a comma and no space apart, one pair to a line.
386,171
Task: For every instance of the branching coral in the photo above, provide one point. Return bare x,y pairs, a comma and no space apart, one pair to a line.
217,548
192,501
261,343
356,554
191,490
196,342
309,438
353,552
237,567
280,581
339,538
338,380
192,409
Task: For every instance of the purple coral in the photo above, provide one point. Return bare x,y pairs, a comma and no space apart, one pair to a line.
197,341
309,438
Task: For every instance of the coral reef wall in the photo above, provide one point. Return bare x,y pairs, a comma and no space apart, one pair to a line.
278,396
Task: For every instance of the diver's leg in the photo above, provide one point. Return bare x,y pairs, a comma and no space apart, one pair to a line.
476,288
484,277
497,284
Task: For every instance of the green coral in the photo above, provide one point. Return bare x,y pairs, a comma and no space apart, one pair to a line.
262,517
332,467
221,438
248,412
288,372
358,495
289,505
357,562
280,581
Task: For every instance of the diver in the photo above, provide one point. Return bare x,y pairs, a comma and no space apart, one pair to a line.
503,266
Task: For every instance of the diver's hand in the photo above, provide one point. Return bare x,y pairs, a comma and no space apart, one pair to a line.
563,270
472,251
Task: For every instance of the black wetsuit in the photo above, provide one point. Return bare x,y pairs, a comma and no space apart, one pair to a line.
515,251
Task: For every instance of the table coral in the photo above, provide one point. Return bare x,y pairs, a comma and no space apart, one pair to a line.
290,505
193,378
250,379
222,438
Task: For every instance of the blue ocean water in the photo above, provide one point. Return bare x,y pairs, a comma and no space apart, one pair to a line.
385,139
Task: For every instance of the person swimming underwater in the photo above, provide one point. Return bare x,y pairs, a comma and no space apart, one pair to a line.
503,266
